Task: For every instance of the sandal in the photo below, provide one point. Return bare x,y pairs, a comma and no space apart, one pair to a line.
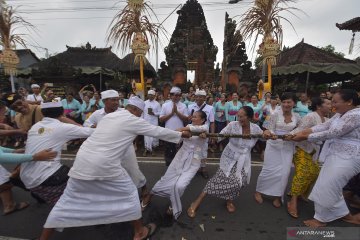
143,206
17,207
191,212
292,213
151,230
169,211
230,207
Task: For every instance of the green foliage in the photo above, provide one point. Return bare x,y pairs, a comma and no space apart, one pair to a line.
331,49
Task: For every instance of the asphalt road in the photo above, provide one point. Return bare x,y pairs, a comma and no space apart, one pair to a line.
251,221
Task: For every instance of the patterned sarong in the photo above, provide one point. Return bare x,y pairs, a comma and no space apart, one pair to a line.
51,190
306,173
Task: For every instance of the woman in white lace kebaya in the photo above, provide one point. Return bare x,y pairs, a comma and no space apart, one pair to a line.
341,153
306,155
278,155
235,163
182,168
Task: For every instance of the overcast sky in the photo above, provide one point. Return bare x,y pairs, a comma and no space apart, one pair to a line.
75,22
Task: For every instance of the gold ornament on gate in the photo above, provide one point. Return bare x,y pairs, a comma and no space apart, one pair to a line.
139,47
9,60
269,49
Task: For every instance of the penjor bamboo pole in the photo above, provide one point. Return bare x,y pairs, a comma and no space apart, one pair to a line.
142,75
269,75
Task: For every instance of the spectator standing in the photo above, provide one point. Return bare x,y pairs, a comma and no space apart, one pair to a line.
173,113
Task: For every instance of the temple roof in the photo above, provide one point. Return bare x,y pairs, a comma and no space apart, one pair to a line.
92,57
87,56
352,24
303,53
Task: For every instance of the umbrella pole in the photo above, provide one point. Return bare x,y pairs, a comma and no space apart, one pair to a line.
307,82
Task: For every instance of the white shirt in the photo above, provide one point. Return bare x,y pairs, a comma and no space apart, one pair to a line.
100,156
48,133
156,109
209,110
33,97
174,122
95,118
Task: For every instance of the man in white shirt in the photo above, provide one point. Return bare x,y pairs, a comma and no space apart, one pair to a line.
173,113
151,115
200,104
47,180
129,162
35,98
99,188
110,99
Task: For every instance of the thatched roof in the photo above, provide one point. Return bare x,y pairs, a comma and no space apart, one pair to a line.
85,56
352,24
304,58
127,65
303,53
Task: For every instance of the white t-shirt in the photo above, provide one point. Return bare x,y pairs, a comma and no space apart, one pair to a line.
33,98
49,133
95,117
209,110
174,122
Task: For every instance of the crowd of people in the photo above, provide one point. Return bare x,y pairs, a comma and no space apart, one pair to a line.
320,136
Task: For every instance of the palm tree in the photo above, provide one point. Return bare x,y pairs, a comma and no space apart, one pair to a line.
132,28
263,19
9,23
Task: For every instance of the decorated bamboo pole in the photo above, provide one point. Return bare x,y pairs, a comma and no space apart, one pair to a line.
142,75
268,49
269,76
140,46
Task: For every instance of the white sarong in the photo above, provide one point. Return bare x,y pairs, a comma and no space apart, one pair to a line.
177,177
94,202
336,172
275,173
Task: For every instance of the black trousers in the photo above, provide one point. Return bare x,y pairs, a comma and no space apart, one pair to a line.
170,152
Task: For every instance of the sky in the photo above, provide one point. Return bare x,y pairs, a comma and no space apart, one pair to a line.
76,22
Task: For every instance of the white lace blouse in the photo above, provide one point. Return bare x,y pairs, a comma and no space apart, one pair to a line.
310,120
342,133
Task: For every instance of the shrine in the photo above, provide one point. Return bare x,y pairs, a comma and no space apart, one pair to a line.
191,47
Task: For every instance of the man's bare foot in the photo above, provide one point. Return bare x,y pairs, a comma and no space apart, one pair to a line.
354,219
313,223
258,198
277,202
